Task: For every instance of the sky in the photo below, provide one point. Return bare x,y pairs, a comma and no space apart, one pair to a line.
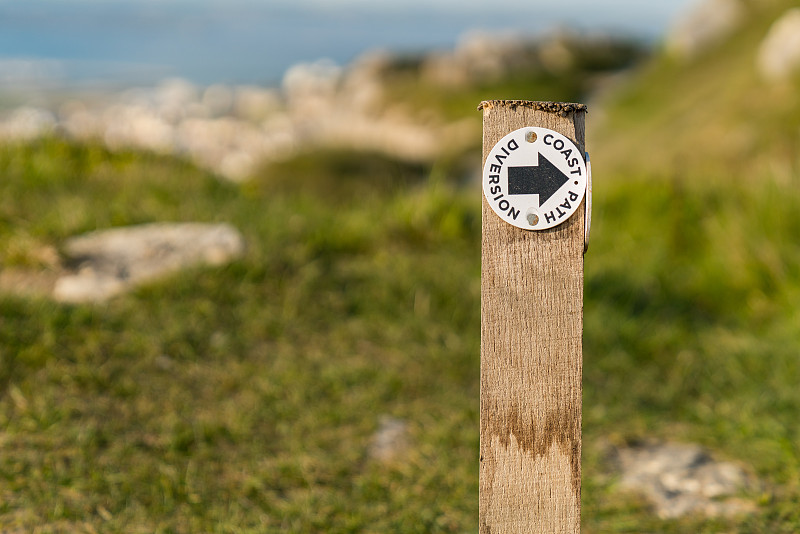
252,41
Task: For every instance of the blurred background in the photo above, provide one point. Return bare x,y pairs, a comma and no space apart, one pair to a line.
251,41
240,260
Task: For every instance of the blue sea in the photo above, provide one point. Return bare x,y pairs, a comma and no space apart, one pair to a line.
123,42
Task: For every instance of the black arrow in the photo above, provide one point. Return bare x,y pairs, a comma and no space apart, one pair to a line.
543,180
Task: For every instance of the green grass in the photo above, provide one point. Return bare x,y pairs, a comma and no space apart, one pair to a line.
707,113
243,398
691,333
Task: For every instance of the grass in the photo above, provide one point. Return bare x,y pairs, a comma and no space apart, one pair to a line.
244,398
692,333
708,113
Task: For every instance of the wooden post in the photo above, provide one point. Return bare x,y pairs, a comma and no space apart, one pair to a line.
531,351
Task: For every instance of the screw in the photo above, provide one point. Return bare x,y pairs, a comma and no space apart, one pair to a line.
533,219
530,136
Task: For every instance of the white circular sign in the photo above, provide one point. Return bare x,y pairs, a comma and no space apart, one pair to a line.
534,178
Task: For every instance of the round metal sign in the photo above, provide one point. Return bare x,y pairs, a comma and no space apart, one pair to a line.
534,178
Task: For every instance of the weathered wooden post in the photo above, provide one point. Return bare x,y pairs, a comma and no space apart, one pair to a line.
534,181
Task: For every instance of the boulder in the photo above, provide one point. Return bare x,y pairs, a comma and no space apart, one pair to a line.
682,479
27,123
390,441
110,262
779,54
707,24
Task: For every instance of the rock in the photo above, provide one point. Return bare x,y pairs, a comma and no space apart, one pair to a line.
27,123
555,55
479,56
174,98
363,82
80,122
176,92
683,479
215,143
113,261
311,88
255,104
218,100
779,54
88,286
137,126
390,440
708,23
235,131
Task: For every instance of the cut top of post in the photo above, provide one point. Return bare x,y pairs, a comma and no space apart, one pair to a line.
562,108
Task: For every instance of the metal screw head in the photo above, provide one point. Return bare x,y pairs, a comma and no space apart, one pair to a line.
532,217
530,136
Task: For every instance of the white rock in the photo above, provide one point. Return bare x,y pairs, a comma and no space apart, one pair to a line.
390,441
388,135
87,287
363,90
176,92
238,165
683,479
310,88
218,100
27,123
779,53
308,78
112,261
137,126
485,54
233,130
443,68
80,122
555,55
255,103
708,23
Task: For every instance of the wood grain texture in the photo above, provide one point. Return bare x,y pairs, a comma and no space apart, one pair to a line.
531,352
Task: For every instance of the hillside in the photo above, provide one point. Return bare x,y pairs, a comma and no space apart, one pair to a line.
716,109
327,380
692,278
